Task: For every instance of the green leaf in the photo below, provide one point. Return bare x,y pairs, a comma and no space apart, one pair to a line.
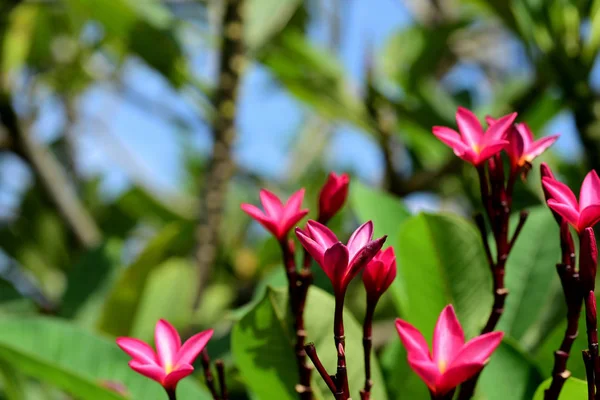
265,19
169,294
509,375
400,379
18,37
530,273
574,389
442,262
387,213
262,345
76,361
118,313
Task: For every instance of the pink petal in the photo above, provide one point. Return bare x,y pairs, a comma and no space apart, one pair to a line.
167,342
499,130
539,146
178,374
570,214
588,217
428,372
360,238
470,156
516,146
448,337
479,349
590,190
295,202
321,234
271,204
335,265
451,138
525,133
546,172
414,342
289,222
314,249
372,276
151,371
137,349
491,149
469,127
259,216
456,375
560,192
192,347
363,257
387,256
490,120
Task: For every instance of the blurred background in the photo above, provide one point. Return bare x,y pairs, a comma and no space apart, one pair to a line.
131,130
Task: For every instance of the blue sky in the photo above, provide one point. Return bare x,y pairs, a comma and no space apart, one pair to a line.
268,118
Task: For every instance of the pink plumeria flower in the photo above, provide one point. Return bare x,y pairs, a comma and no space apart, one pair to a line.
379,273
340,262
333,196
453,361
277,217
172,361
581,214
523,148
473,144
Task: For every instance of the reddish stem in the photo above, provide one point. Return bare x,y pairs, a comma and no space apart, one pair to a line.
208,376
365,394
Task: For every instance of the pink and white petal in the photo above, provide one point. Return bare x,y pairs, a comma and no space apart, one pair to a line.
560,192
254,212
479,349
589,194
335,265
294,203
151,371
321,234
428,372
178,374
315,250
192,347
137,349
589,217
413,340
448,337
539,146
499,130
271,203
470,156
456,375
570,214
363,257
451,138
167,342
360,237
469,127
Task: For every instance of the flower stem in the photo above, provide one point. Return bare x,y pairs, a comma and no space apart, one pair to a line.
171,394
222,383
311,351
365,394
298,284
341,377
208,376
589,373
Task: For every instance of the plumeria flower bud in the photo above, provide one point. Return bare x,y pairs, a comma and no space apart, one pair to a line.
333,196
588,259
340,262
473,144
452,361
580,214
379,274
277,218
171,362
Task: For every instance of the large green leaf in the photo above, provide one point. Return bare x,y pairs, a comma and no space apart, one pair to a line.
442,262
574,389
262,345
530,273
265,19
118,313
509,375
76,361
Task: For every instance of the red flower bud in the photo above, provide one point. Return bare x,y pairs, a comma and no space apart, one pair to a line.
333,196
379,274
